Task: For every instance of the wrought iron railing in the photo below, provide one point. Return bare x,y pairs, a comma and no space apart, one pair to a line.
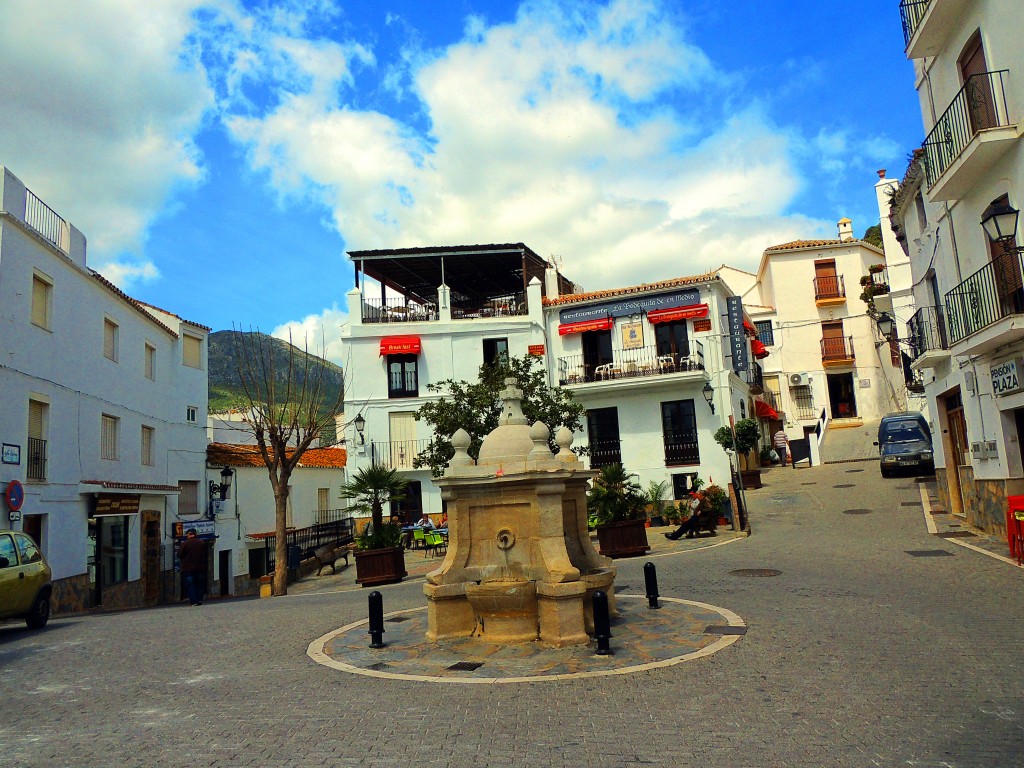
926,331
325,516
754,376
829,287
803,402
837,348
681,447
604,453
398,310
980,104
771,398
502,306
397,454
337,532
990,294
911,13
44,220
35,468
630,364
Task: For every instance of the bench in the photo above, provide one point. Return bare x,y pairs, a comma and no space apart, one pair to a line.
329,554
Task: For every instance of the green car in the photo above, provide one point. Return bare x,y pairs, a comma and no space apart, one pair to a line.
24,580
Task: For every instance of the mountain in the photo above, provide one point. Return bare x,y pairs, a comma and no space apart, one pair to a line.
225,388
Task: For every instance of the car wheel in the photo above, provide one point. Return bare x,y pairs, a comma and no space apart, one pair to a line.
40,613
885,472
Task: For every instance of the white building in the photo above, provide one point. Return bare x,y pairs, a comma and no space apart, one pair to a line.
637,358
827,367
102,413
967,335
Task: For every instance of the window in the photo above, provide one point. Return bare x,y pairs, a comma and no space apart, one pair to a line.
110,337
150,362
188,497
494,350
671,339
323,504
147,446
8,553
192,351
922,213
38,413
603,433
683,485
765,334
108,437
113,549
827,283
679,431
191,414
42,300
403,376
27,549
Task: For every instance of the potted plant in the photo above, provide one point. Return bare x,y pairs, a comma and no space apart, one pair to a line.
747,436
718,498
655,496
380,558
617,505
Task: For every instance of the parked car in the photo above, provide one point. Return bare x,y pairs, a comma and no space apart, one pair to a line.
25,585
905,442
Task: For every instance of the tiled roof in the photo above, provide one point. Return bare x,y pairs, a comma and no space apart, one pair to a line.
234,455
573,298
795,244
131,486
134,303
172,314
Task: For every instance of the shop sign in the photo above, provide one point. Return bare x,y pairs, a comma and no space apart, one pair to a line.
1006,377
702,326
117,504
629,307
737,334
537,350
632,335
202,527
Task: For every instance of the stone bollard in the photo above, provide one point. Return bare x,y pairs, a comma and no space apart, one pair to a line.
651,581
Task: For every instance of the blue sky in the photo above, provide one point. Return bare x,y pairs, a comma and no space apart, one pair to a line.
221,156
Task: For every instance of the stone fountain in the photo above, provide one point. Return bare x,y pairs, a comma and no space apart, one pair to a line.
520,566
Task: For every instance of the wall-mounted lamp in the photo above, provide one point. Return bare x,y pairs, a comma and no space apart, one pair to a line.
885,324
709,395
360,425
1000,221
225,484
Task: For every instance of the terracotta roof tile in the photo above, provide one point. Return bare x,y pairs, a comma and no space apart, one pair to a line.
644,288
234,455
134,303
795,244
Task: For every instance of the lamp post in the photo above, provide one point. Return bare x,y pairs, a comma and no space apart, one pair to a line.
360,425
224,487
999,221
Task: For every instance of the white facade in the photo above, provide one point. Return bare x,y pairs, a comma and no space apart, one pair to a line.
112,394
969,324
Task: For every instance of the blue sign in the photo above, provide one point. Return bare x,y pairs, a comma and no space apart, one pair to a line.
628,307
737,334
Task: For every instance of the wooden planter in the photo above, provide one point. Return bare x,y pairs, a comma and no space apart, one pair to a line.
380,566
751,478
625,538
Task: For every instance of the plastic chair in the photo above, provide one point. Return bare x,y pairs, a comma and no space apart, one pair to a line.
434,541
418,538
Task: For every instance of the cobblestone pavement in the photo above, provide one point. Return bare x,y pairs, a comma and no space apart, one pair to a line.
877,644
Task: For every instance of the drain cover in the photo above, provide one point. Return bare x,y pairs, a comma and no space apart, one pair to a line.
808,483
910,504
849,471
956,535
928,553
466,666
843,485
856,511
724,629
756,572
380,665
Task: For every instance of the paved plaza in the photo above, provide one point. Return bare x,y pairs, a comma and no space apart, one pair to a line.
875,643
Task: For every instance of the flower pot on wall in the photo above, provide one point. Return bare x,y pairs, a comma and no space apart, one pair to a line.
380,566
624,538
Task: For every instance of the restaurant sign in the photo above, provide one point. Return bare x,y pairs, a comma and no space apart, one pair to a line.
634,306
116,504
1006,377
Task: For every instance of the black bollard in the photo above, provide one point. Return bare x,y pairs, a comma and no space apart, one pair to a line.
602,623
651,580
376,619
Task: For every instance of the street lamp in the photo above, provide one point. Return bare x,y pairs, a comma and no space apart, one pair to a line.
225,484
360,424
885,324
1000,221
709,395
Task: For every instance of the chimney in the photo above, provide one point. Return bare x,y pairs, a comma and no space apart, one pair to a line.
845,229
881,173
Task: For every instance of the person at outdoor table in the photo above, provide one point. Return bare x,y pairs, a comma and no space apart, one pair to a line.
444,520
426,523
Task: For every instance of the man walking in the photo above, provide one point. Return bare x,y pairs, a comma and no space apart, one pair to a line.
781,446
192,555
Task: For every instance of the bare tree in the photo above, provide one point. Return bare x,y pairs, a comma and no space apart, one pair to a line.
289,408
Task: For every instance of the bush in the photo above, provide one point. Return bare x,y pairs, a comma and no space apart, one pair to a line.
615,497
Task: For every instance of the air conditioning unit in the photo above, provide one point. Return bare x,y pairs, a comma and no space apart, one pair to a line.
799,380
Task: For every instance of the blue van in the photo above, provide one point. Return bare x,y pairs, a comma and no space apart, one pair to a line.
905,442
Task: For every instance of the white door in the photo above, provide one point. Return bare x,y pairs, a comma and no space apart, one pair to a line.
402,448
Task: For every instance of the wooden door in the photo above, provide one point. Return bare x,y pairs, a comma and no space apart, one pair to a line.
826,281
956,449
981,107
151,557
402,447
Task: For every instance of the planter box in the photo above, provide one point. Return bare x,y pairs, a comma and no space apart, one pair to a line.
626,538
751,478
380,566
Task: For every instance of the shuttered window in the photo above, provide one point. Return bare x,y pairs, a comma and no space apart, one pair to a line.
108,437
42,295
150,362
37,420
147,446
192,351
110,334
188,499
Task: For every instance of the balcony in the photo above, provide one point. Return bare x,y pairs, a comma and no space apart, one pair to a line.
36,466
681,448
605,453
986,311
927,25
397,454
837,351
929,345
969,137
631,365
399,310
754,376
829,290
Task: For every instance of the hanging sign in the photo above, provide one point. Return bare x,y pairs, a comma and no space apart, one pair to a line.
632,335
737,335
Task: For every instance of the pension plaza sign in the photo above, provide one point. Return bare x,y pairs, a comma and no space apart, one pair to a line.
1006,376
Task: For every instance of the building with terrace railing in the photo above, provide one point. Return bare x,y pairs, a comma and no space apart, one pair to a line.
638,358
956,216
102,412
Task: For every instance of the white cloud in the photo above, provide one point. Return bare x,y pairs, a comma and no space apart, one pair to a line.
125,274
101,102
319,333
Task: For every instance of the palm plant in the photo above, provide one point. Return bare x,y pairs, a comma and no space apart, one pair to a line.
371,488
615,496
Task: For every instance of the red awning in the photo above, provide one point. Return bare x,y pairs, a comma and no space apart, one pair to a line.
749,327
765,411
677,313
400,345
759,349
601,324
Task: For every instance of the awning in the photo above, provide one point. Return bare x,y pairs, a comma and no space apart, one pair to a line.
765,411
601,324
749,327
674,314
760,352
400,345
